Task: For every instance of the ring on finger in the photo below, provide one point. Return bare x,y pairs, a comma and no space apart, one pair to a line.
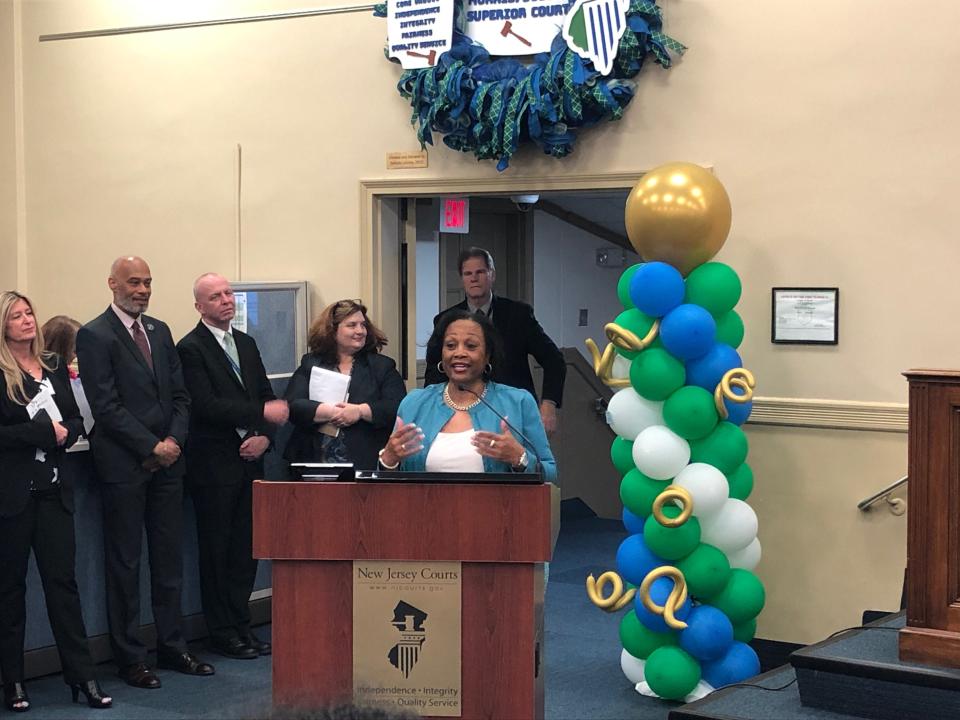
492,443
403,446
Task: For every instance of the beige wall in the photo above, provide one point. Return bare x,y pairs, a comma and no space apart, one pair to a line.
835,145
8,146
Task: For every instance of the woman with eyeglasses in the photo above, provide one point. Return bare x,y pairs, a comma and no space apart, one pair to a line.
344,340
39,420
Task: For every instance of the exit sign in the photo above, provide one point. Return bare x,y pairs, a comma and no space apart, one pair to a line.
455,215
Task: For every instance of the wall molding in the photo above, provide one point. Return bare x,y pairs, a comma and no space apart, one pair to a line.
829,414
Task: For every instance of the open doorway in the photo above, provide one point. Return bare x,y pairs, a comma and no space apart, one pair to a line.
561,252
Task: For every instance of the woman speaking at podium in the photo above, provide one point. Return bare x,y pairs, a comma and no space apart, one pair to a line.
468,424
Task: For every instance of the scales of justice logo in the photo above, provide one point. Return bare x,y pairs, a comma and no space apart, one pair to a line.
408,621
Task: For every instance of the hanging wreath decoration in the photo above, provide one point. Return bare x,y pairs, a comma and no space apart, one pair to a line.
488,106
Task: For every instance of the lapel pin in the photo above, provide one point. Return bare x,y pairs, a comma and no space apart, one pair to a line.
150,327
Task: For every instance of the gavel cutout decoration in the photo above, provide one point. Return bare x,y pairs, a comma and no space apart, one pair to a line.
508,30
431,57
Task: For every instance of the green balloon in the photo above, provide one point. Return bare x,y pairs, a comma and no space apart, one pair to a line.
730,329
671,543
621,452
637,322
623,285
706,571
714,286
725,448
740,481
637,492
656,374
744,632
639,640
742,598
671,673
690,412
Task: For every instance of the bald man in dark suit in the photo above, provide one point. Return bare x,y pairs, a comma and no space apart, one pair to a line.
131,376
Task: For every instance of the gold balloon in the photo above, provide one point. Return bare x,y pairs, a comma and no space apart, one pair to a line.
679,214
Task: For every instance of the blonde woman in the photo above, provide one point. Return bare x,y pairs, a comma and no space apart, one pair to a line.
39,420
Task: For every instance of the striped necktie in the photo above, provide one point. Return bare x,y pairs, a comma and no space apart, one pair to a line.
230,347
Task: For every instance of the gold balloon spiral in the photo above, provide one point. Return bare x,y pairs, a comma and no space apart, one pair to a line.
678,595
735,378
617,599
673,492
624,339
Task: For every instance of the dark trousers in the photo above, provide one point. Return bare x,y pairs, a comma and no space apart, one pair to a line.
227,567
128,508
47,527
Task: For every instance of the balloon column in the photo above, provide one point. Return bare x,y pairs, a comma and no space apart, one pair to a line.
683,395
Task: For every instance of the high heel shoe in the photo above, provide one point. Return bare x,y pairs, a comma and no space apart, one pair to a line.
95,697
15,697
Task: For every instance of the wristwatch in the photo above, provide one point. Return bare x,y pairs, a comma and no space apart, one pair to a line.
521,463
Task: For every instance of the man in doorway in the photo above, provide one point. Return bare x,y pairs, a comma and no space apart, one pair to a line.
132,378
232,421
522,336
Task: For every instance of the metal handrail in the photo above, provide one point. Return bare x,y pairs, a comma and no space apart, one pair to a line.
895,504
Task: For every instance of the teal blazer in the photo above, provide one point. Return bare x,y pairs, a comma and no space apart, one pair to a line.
427,409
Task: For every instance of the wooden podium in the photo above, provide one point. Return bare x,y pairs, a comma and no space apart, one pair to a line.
501,533
932,634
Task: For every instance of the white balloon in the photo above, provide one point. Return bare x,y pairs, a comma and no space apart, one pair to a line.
707,486
629,414
660,453
746,558
621,368
632,667
731,529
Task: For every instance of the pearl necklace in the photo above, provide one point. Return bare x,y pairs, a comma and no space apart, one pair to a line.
462,408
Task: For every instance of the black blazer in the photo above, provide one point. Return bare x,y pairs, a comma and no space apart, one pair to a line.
374,381
220,405
20,437
522,335
133,407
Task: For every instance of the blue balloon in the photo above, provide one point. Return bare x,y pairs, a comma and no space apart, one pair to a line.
632,522
688,331
738,412
659,592
737,664
635,559
657,288
708,633
708,370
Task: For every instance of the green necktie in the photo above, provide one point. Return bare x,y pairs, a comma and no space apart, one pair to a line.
230,347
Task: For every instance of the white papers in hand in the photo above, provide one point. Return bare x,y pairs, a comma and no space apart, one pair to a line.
43,400
327,386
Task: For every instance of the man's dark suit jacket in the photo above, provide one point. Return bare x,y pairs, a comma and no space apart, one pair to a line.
522,335
20,437
374,381
220,404
133,406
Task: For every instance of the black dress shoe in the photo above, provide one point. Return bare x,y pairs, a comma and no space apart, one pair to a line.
251,640
139,675
233,648
186,663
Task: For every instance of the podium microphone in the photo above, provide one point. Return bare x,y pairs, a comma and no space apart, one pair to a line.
526,441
